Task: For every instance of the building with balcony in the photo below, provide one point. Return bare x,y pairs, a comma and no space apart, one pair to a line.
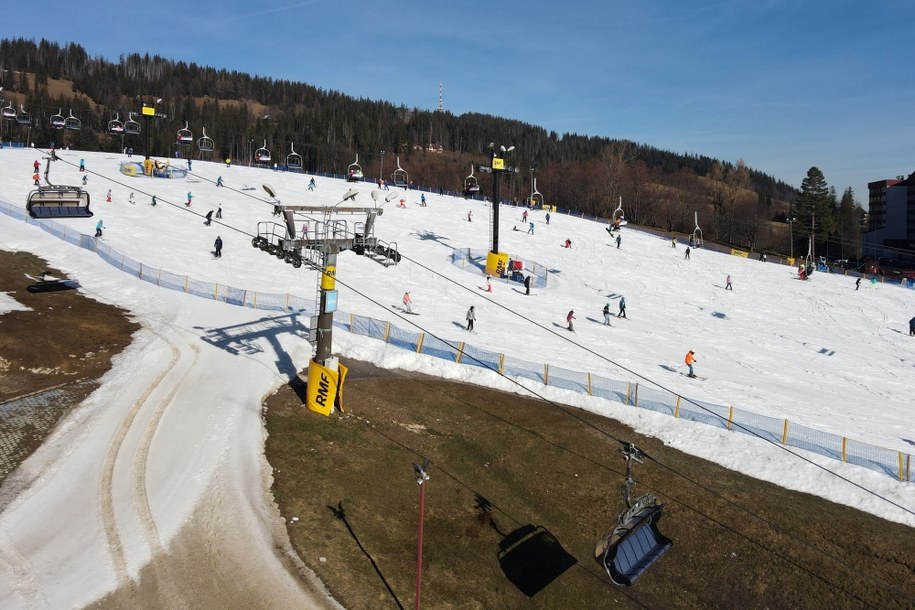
890,217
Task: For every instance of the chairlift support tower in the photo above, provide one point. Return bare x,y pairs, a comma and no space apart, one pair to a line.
495,260
322,250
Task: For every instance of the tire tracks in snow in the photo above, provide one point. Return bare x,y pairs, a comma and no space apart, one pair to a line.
139,462
141,459
24,583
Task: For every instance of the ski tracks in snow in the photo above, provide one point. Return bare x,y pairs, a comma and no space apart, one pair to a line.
128,455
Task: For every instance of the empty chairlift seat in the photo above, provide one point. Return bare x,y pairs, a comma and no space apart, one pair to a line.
634,547
634,544
59,202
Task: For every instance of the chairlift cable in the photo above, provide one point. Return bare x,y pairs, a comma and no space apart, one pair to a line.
569,410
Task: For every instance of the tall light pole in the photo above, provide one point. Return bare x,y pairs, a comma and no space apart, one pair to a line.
148,111
497,163
791,234
381,168
530,199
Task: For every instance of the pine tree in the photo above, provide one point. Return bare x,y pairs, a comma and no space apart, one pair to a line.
813,206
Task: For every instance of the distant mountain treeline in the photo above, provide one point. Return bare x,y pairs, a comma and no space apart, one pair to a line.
241,113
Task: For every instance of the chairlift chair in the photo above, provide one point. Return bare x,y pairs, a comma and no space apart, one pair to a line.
205,143
115,125
131,127
262,154
695,238
23,117
8,112
293,159
619,217
71,122
399,178
56,201
184,135
57,120
354,171
630,547
536,198
471,186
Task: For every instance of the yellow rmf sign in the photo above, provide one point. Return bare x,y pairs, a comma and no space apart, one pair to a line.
498,163
329,278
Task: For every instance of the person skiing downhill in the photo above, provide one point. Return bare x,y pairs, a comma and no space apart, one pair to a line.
469,215
607,314
218,247
98,228
690,359
622,313
619,238
912,327
209,218
524,216
858,283
727,283
569,317
190,198
530,230
407,302
686,256
471,317
527,284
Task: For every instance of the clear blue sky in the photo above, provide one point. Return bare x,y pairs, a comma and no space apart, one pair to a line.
782,84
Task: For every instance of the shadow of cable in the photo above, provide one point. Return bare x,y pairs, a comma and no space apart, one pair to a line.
340,514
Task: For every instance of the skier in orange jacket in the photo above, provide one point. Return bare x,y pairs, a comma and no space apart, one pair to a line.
689,360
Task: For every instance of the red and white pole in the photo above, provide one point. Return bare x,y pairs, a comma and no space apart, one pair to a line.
421,478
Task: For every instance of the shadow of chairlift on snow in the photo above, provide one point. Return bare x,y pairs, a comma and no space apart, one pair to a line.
630,547
247,338
431,236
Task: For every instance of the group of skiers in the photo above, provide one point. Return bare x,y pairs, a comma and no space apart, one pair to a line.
620,314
